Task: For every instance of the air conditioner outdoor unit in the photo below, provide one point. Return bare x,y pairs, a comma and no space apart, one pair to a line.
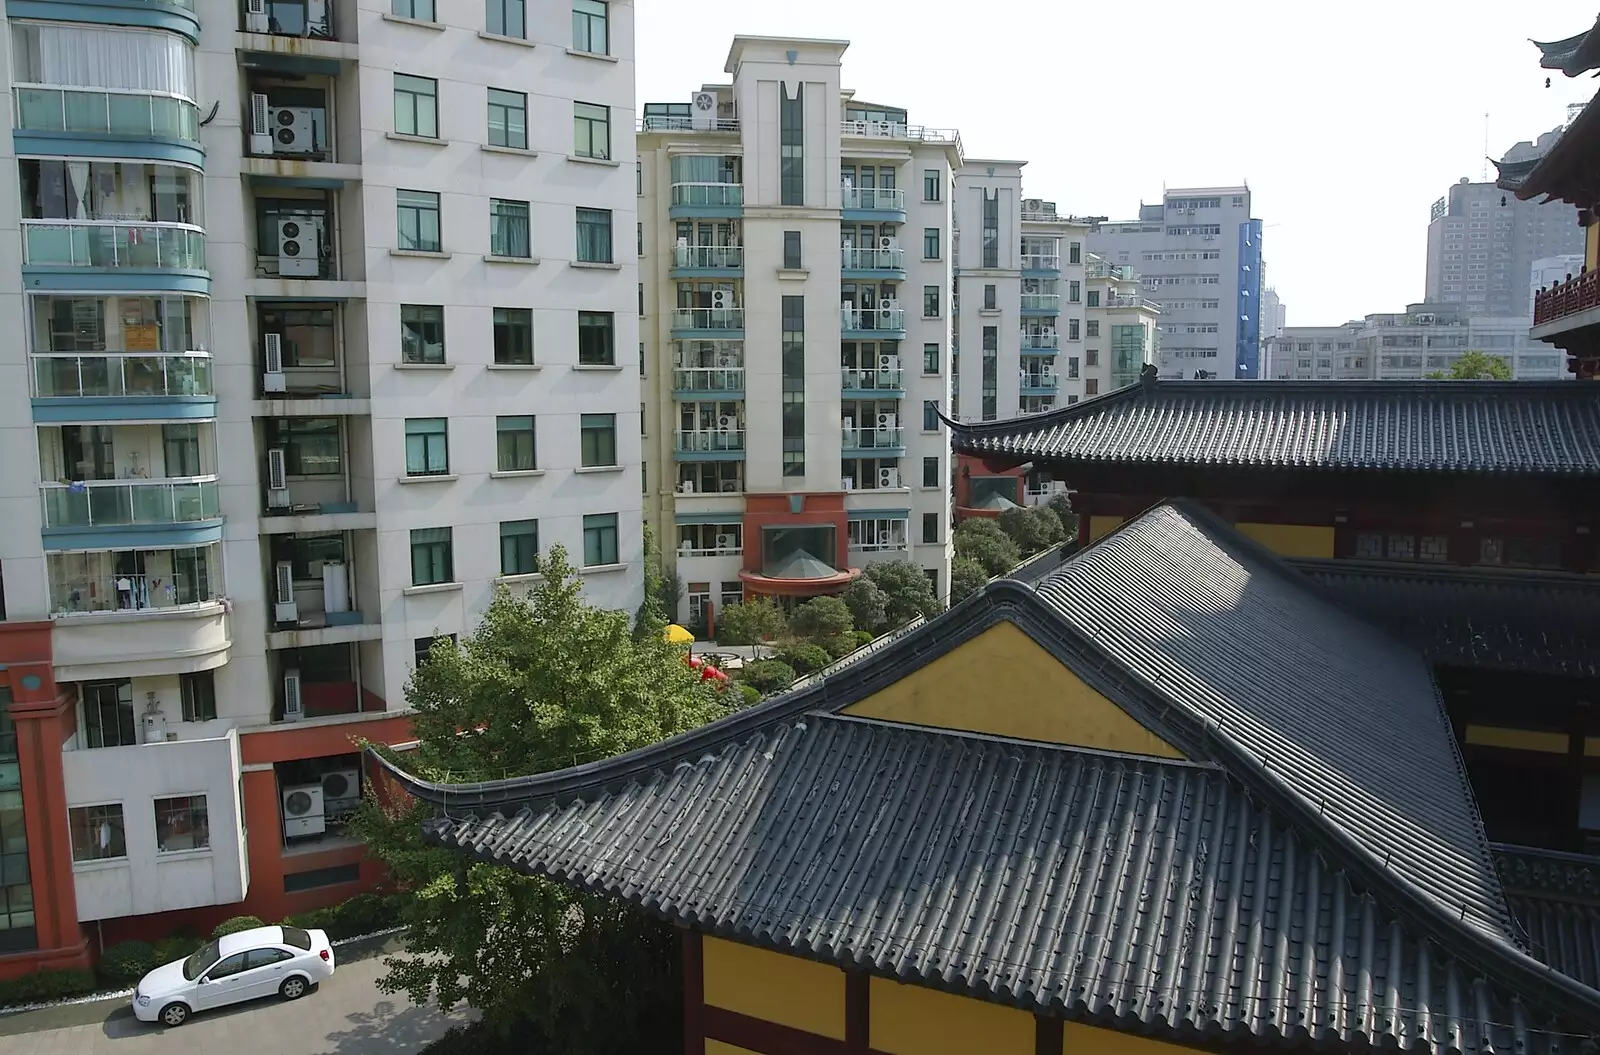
299,240
284,610
721,299
302,810
724,423
272,379
341,792
886,421
294,130
888,362
888,478
886,242
260,119
277,479
885,312
255,17
705,110
293,707
726,542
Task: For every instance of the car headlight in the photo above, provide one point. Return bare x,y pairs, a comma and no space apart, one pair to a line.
141,999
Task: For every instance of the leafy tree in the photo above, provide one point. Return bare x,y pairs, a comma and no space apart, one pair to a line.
820,618
907,593
1061,502
767,675
980,539
805,658
544,682
966,578
750,622
868,606
655,611
1474,366
1032,528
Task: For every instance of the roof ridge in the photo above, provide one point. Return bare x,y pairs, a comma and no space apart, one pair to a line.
1047,746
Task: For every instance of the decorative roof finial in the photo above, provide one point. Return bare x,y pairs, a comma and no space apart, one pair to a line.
1148,375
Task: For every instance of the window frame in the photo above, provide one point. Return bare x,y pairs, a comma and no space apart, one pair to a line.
584,127
930,538
507,324
510,456
198,819
930,298
503,231
438,554
595,241
410,8
423,204
504,30
584,43
413,343
930,462
932,354
793,257
603,533
82,821
597,437
197,691
507,110
523,550
412,94
931,184
431,442
930,243
597,322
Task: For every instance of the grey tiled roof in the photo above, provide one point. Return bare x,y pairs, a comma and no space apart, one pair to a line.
1537,622
1555,897
1451,426
1574,55
1510,175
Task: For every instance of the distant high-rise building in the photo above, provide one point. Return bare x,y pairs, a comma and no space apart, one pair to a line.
1273,315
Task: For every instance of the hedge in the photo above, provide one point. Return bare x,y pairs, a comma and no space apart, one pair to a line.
767,675
128,961
362,914
237,924
43,986
805,658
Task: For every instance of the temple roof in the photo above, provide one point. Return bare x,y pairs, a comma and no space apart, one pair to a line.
1556,899
1574,55
1430,426
1322,783
1569,169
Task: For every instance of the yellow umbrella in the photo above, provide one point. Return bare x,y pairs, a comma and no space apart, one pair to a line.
678,635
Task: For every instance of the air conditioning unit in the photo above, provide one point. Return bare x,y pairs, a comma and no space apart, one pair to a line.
687,487
721,299
255,17
260,119
705,110
886,421
724,423
302,810
299,241
294,130
885,312
726,542
272,379
886,242
888,362
277,479
284,610
341,793
293,707
888,477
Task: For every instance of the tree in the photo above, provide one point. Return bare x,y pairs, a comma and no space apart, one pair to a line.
1032,528
821,618
544,682
655,611
966,578
750,622
907,593
867,604
1061,502
980,539
1474,366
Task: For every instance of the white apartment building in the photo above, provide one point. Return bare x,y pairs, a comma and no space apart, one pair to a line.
1198,254
795,248
329,310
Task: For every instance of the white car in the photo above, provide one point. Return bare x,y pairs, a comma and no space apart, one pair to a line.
243,966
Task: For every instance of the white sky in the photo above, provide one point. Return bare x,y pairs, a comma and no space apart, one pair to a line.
1347,119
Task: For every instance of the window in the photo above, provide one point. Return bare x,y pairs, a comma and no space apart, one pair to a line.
513,336
316,878
591,131
97,832
791,250
508,229
930,302
418,219
422,10
198,692
422,647
508,116
504,18
519,547
180,446
930,243
514,446
590,27
594,236
930,358
930,527
1074,291
599,540
791,146
1093,324
181,824
266,957
427,447
1072,366
991,228
1074,252
930,184
598,434
108,714
310,446
989,301
793,339
1092,298
596,334
930,416
416,106
431,556
421,333
1073,333
1091,386
1091,357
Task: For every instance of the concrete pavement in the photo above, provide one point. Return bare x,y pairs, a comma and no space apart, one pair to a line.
346,1015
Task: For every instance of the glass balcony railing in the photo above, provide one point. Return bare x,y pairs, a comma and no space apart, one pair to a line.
97,110
122,374
897,130
872,439
891,198
704,440
725,194
708,319
1041,342
708,256
114,503
879,318
104,243
1041,302
1039,380
872,379
711,379
853,259
1041,262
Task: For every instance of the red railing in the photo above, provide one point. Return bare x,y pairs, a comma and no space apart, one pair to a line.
1567,298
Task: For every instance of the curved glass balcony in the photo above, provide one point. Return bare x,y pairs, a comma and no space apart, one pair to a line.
122,503
121,374
103,112
109,244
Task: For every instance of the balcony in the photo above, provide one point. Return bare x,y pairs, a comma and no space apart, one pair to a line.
134,512
689,260
707,445
864,384
1570,305
690,323
1041,342
696,382
1038,383
1041,262
868,322
1041,304
1118,272
873,203
46,114
675,123
888,441
118,386
896,130
54,247
706,199
1130,300
872,263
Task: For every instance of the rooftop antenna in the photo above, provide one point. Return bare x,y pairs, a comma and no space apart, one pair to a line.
1486,147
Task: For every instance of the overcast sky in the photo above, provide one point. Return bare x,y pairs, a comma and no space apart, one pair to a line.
1348,120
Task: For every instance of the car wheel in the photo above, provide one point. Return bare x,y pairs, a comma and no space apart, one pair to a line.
292,988
174,1015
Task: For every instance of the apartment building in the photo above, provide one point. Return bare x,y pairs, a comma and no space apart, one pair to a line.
1198,254
327,310
795,248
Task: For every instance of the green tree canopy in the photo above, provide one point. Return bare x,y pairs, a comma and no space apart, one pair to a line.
821,618
966,578
1474,366
750,622
1032,528
980,539
544,682
1061,502
907,593
867,604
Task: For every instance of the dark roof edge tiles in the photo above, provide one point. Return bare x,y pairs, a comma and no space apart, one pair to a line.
1001,600
1573,56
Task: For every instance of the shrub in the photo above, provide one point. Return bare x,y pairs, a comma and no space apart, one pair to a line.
750,694
867,605
767,675
861,637
840,645
312,919
980,539
1061,503
41,986
364,914
805,658
1032,529
237,924
821,617
128,961
176,947
967,577
750,623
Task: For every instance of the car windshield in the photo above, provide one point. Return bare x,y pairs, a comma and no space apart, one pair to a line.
300,939
203,957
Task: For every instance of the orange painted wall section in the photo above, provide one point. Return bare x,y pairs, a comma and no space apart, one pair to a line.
776,988
283,743
1101,526
1088,1040
717,1047
1291,540
1591,246
911,1020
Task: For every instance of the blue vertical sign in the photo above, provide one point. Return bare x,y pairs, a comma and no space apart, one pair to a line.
1247,346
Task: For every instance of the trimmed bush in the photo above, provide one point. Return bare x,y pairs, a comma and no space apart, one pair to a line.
750,693
177,947
840,645
128,961
767,675
364,914
312,919
805,658
237,924
42,986
862,637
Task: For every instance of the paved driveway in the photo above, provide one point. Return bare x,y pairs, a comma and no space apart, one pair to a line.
346,1015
